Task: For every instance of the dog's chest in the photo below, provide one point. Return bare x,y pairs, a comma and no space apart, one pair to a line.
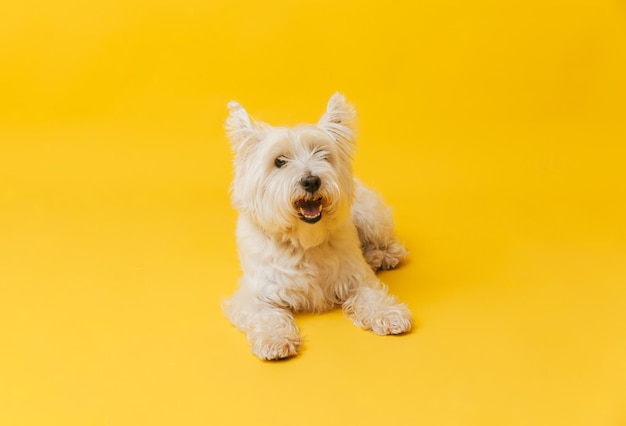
287,274
320,279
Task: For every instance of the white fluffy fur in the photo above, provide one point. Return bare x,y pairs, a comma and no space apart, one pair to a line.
290,265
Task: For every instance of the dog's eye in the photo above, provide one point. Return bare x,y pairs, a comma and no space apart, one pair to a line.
323,155
279,162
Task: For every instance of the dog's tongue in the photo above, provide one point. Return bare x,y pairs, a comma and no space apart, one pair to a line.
310,208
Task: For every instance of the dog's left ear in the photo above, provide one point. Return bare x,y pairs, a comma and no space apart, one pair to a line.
339,120
241,128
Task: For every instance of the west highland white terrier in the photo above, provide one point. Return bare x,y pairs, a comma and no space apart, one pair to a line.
309,235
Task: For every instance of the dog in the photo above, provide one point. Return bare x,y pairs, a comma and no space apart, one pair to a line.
310,236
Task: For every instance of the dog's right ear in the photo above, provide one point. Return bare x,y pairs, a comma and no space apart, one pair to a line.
339,121
240,127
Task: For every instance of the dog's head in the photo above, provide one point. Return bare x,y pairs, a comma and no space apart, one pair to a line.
289,177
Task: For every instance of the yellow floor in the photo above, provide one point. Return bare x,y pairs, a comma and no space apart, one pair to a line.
496,129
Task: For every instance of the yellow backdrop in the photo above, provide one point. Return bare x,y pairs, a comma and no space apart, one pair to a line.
496,129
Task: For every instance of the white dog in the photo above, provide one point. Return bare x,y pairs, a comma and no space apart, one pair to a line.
309,235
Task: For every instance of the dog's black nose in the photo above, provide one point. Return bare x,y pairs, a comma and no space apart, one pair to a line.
311,183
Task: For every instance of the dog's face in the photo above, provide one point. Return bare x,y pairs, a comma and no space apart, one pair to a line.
286,177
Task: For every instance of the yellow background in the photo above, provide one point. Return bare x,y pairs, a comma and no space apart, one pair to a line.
496,129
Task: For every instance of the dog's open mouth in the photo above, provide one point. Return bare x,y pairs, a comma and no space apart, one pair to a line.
309,211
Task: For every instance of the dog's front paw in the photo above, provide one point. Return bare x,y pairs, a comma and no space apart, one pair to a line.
373,309
275,346
395,321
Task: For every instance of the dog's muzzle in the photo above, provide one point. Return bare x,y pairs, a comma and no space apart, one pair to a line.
309,210
311,183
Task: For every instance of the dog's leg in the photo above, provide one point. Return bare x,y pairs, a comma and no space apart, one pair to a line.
271,331
372,308
374,223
